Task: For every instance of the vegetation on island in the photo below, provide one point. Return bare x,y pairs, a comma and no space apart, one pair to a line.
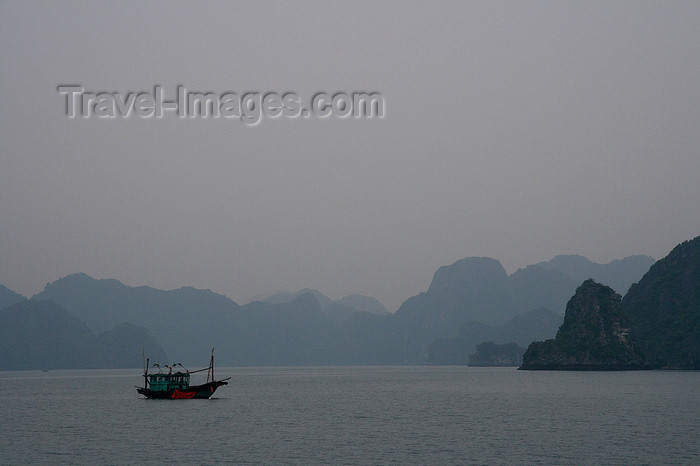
655,326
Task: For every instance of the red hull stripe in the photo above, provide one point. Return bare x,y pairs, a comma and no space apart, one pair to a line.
178,394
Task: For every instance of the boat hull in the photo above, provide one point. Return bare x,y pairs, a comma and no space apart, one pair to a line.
196,391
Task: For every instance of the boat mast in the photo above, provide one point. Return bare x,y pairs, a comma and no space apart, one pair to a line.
145,373
210,372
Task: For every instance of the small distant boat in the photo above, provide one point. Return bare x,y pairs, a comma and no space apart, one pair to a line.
176,385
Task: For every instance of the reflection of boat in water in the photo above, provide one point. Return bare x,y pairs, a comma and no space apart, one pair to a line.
176,385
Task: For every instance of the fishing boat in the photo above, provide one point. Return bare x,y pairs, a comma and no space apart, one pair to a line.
176,385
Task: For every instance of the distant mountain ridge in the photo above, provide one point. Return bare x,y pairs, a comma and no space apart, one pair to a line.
9,297
538,324
184,320
473,296
120,302
619,274
355,302
38,334
478,291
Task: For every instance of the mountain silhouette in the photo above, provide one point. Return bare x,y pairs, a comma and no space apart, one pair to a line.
469,298
37,334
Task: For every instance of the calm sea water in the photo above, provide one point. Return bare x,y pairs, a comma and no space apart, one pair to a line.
356,415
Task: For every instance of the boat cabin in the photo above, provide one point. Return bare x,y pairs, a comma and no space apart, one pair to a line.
163,382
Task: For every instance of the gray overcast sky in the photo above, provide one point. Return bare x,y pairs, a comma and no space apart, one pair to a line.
514,130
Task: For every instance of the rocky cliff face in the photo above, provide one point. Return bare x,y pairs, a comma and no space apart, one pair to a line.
595,335
664,309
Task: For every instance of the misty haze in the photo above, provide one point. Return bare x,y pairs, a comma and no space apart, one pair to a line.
349,233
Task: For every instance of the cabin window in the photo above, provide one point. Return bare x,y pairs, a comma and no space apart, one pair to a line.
169,381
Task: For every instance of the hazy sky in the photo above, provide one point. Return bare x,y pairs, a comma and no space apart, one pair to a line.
514,130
